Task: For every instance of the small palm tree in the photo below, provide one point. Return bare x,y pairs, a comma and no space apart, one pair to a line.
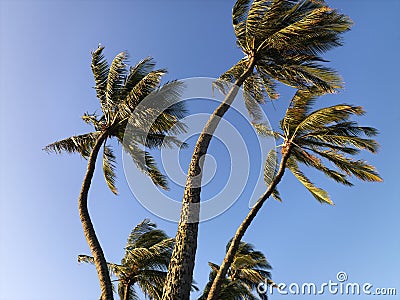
282,41
120,91
248,269
147,255
312,139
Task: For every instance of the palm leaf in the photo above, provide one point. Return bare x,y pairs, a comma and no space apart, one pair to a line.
318,193
326,115
270,167
81,144
109,165
116,79
359,168
100,71
114,269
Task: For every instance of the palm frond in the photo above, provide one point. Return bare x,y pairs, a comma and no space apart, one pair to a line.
142,228
116,79
318,193
145,163
136,74
359,168
300,106
239,16
109,165
305,26
81,144
310,160
327,115
100,71
270,165
114,269
276,195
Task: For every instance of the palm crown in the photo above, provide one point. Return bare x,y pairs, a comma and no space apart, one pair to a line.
314,138
120,91
283,40
147,255
249,268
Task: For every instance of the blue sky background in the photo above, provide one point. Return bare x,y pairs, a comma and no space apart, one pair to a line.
45,86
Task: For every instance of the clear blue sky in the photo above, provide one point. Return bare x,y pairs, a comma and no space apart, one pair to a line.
45,86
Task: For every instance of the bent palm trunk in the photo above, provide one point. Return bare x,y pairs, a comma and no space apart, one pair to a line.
234,246
180,271
88,229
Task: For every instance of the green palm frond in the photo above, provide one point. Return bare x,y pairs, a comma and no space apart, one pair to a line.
146,164
306,26
286,37
248,269
109,165
327,115
300,106
318,193
100,71
311,160
81,144
136,74
239,16
135,237
270,166
276,195
115,81
344,141
143,88
114,269
359,168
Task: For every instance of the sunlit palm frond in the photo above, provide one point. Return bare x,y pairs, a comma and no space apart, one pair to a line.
114,269
81,144
318,193
100,71
270,166
136,74
146,164
109,165
311,160
248,269
359,168
327,115
115,81
134,238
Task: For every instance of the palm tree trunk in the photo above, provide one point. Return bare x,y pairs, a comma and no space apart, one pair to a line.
88,229
234,246
180,271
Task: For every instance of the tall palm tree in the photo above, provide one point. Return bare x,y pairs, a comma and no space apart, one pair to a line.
312,139
282,41
120,91
248,269
147,254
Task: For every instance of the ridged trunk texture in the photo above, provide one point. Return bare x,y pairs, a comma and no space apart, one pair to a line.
234,246
180,271
88,229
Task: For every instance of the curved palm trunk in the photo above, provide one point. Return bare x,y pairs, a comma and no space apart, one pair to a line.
88,229
180,271
234,246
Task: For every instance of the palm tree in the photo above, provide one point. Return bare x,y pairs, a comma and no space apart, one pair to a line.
282,41
147,254
313,139
120,91
248,269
